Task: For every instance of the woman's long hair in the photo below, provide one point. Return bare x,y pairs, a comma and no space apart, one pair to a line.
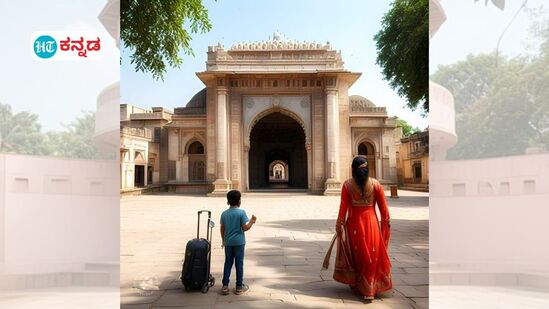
360,174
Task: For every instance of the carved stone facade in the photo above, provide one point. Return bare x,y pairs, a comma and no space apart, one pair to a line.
413,161
275,102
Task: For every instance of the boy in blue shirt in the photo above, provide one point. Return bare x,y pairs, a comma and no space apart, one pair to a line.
234,222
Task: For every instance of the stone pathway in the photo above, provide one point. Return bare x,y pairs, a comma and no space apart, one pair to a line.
284,252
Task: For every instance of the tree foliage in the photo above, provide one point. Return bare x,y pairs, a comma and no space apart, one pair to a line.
468,80
77,139
20,132
402,51
407,129
156,30
501,110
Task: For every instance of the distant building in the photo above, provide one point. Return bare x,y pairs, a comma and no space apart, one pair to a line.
413,161
140,133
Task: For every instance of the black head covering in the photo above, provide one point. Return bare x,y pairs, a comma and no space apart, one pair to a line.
360,172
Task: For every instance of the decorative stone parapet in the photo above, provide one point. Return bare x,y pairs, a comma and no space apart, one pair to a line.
152,115
272,54
138,132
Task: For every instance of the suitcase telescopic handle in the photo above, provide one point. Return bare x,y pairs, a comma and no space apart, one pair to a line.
198,225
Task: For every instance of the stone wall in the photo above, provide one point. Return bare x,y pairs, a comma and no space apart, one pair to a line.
490,214
36,191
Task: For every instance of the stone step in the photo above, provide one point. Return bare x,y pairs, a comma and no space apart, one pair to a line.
144,190
415,187
540,281
108,266
112,268
48,280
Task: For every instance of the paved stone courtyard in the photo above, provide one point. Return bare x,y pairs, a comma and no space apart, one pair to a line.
284,252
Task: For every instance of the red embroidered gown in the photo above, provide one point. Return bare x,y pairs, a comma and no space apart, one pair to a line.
368,242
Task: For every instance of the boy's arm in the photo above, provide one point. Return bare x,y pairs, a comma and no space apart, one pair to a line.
248,225
222,229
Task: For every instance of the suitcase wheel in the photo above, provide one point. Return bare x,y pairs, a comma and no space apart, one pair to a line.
212,281
205,288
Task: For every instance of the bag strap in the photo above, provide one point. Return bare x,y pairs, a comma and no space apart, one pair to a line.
326,261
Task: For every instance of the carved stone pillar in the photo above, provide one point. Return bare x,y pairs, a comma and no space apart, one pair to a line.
145,174
333,184
246,167
221,184
145,167
185,168
379,167
380,155
178,165
308,147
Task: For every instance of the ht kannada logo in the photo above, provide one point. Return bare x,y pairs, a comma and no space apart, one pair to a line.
66,45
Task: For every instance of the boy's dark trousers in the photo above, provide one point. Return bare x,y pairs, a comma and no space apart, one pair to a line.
234,254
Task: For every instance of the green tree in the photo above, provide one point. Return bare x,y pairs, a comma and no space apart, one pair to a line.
468,80
20,132
77,140
156,30
502,111
402,51
407,129
498,124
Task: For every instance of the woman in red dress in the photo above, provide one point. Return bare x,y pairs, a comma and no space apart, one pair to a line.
368,239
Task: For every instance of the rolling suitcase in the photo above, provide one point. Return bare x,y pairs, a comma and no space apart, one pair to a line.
195,274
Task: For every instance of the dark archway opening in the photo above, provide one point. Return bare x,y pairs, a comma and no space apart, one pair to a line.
277,137
139,177
367,150
416,169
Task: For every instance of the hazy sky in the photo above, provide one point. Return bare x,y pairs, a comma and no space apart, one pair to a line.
57,91
348,25
475,28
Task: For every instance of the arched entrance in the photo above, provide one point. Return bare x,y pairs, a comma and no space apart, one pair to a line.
140,163
197,159
278,172
277,157
367,150
416,172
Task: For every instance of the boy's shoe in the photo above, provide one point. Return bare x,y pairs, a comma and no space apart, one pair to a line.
241,289
225,290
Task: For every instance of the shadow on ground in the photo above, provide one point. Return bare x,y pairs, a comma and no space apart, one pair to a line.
283,269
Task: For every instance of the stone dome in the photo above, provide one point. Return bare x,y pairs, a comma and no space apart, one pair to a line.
198,100
195,106
356,99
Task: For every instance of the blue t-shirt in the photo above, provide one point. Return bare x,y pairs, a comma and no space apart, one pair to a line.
232,219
